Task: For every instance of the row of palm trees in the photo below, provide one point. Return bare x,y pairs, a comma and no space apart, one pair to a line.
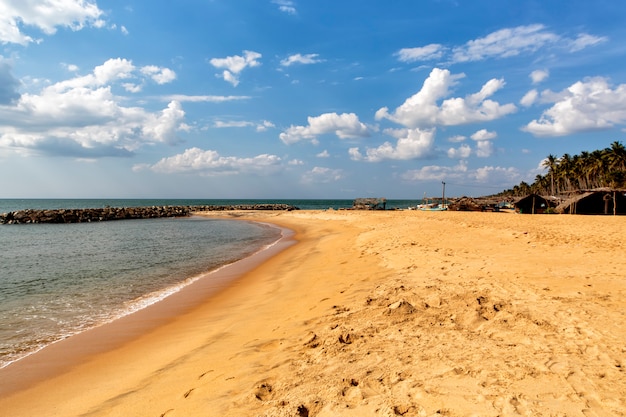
588,170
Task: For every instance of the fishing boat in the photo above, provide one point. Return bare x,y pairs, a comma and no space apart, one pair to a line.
432,207
430,204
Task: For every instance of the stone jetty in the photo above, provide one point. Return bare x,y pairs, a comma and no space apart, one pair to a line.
85,215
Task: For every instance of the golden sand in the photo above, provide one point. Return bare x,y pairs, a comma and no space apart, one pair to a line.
381,313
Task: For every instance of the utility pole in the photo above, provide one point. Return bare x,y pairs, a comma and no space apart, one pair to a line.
443,196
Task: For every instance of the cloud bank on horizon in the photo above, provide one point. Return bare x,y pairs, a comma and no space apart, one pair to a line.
287,99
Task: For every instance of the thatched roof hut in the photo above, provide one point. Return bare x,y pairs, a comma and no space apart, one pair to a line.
596,201
533,204
473,204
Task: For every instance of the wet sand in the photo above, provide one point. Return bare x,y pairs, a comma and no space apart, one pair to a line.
381,313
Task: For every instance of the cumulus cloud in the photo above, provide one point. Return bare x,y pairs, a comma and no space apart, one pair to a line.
422,109
9,85
484,149
591,104
538,76
529,98
462,152
264,125
345,126
158,74
210,163
82,114
411,144
323,154
45,15
322,175
301,59
233,65
484,134
286,6
423,53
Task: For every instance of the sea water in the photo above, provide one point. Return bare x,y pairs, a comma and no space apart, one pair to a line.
60,279
57,280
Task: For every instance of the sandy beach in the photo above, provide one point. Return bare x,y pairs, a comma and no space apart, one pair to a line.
394,313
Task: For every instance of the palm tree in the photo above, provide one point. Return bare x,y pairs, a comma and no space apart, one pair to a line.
616,156
551,163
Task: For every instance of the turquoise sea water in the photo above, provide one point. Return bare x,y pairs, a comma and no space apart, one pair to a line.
59,279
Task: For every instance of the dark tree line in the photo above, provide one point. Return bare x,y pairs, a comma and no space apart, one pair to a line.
588,170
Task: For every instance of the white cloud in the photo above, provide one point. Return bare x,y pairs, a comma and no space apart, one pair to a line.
263,126
209,162
345,126
436,173
323,154
484,134
158,74
233,65
199,99
529,98
286,6
484,149
411,144
259,127
301,59
538,76
584,40
505,43
295,162
586,105
424,53
457,138
460,172
423,110
82,117
45,15
231,123
496,175
322,175
71,67
132,87
462,152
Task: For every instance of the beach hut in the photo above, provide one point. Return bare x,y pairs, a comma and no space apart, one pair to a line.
532,204
596,201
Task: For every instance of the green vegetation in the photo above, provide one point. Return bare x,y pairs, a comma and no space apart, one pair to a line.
589,170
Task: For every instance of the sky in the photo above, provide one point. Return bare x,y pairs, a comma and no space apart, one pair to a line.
297,99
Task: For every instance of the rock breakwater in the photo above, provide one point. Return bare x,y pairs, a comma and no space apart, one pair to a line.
85,215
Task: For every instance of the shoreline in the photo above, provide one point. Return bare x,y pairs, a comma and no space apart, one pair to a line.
58,357
383,313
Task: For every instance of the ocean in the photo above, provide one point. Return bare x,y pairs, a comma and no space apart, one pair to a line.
57,280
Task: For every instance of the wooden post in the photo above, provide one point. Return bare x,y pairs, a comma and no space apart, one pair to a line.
533,210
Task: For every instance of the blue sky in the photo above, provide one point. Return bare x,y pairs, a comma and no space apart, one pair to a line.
302,99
